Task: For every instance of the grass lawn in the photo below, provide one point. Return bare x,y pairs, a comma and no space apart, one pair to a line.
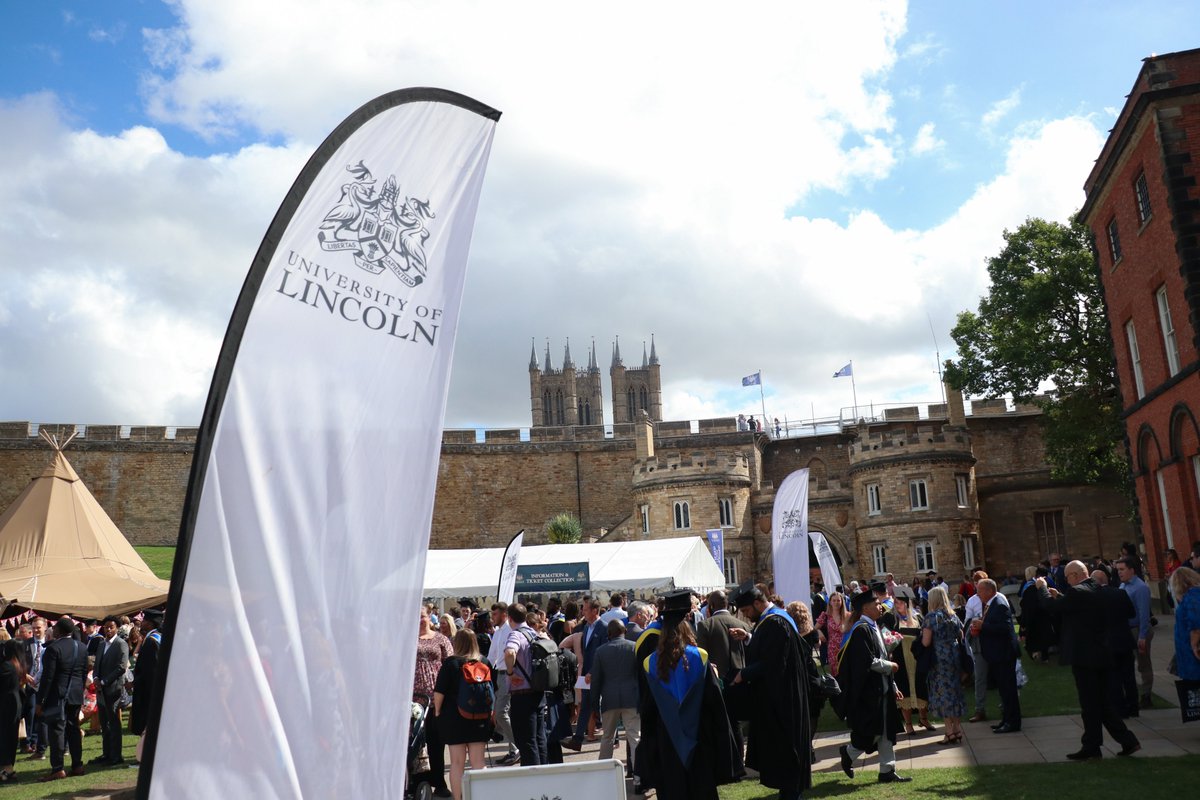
158,559
1162,777
98,780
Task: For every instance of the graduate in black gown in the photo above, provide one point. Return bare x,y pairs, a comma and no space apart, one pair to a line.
869,691
777,702
687,748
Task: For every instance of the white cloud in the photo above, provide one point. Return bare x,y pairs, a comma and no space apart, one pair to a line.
638,184
1002,108
926,141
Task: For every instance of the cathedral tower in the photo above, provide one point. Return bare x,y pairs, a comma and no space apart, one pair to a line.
636,390
566,396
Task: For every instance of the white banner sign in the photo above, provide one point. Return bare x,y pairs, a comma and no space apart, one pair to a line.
789,538
286,675
831,576
507,589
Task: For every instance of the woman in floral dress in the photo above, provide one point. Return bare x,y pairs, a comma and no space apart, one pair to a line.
831,625
432,649
941,631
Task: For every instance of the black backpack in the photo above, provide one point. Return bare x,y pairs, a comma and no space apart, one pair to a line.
543,662
568,672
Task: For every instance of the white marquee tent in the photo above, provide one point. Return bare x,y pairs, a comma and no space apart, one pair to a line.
655,565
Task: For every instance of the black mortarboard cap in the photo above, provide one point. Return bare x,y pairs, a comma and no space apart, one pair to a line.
861,599
155,615
745,595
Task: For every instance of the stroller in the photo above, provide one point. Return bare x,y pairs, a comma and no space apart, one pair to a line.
418,785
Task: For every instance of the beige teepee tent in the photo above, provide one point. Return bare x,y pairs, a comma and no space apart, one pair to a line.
61,554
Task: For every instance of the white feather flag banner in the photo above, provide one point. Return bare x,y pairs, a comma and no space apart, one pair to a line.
789,538
283,673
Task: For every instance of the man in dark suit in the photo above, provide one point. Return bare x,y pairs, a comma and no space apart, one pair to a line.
999,647
1084,614
1118,608
639,618
31,659
144,672
594,635
615,684
725,653
60,694
112,660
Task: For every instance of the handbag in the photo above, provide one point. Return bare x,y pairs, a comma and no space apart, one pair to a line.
966,660
1189,700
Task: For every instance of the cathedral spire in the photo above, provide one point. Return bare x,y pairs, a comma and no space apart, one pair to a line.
567,362
592,365
548,369
616,362
533,362
653,354
645,360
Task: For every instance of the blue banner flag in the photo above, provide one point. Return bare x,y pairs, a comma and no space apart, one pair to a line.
752,380
844,371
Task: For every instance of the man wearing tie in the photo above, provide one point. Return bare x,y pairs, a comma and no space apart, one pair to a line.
35,649
112,660
594,635
998,644
59,697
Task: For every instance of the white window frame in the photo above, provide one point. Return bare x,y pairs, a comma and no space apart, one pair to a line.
924,555
1166,510
682,515
918,494
725,511
1196,474
731,570
874,504
879,558
1141,193
961,486
1168,330
1135,359
969,559
645,508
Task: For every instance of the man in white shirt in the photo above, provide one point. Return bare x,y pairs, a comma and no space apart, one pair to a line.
616,610
975,611
503,702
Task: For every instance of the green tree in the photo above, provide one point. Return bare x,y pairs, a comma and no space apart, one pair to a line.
564,528
1043,322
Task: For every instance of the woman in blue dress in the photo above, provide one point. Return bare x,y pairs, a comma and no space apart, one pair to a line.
944,632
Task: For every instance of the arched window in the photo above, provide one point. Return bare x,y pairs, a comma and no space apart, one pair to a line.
586,417
547,409
560,406
632,405
645,399
683,516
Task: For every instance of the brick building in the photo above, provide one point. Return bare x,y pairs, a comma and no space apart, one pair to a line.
1143,207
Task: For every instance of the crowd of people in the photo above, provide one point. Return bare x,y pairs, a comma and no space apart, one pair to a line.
705,687
55,678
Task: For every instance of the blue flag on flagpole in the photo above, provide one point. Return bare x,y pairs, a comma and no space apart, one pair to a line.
844,371
753,380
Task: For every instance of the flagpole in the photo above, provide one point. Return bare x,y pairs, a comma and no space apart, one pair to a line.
764,400
854,391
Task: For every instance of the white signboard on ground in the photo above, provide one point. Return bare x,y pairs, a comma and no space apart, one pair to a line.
586,780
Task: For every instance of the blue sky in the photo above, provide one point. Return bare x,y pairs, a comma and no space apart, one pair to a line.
783,190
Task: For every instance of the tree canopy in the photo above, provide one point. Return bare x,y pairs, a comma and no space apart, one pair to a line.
1043,322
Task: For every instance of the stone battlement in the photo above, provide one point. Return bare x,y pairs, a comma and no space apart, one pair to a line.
98,433
924,441
692,467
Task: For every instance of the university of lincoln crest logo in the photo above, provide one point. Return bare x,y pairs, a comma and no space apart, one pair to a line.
377,227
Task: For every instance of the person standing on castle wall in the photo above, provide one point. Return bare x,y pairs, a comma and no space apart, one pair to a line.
741,423
753,424
778,429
